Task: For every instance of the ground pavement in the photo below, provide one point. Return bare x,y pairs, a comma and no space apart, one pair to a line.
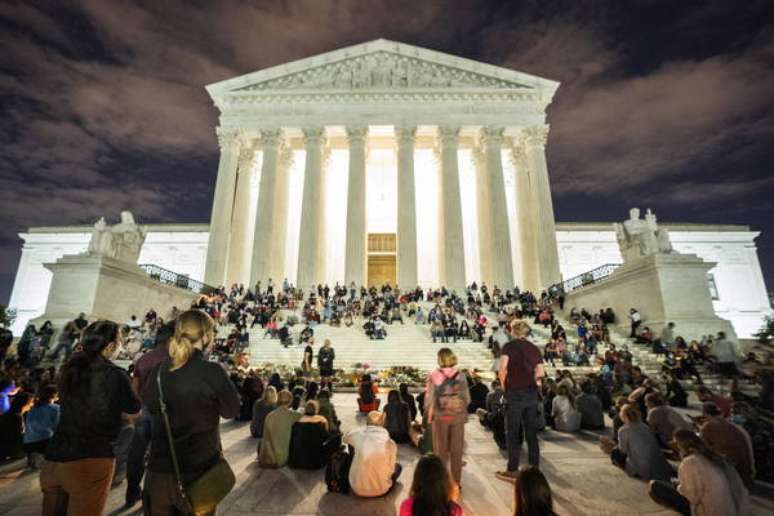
582,478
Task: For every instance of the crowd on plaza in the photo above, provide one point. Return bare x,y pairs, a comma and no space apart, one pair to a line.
88,425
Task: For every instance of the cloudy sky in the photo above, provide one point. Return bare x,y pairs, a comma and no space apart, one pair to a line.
666,104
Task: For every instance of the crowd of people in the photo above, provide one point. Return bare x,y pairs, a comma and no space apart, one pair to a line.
87,424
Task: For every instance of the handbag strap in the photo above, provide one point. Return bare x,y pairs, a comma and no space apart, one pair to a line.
170,439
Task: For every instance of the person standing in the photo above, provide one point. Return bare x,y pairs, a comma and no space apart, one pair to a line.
636,320
520,374
196,394
306,363
135,463
325,358
446,409
94,393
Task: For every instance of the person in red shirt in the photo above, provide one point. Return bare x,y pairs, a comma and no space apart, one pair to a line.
521,373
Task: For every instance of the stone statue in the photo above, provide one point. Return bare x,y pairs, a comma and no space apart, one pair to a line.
122,242
641,237
101,239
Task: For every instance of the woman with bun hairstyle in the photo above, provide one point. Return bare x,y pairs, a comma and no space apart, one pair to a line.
94,393
197,393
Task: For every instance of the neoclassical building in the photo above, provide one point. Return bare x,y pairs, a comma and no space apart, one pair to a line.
383,95
385,162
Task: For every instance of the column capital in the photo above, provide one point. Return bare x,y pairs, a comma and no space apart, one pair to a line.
272,137
535,136
405,135
448,135
519,155
314,136
246,156
491,136
357,135
228,137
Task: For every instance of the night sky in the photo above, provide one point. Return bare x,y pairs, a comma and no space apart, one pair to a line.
663,104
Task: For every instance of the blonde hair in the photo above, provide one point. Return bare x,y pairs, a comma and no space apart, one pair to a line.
520,329
270,395
446,358
284,398
191,327
375,418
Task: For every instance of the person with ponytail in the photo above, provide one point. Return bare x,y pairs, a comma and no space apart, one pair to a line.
94,394
197,393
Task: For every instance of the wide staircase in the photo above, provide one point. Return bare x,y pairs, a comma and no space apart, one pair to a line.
411,345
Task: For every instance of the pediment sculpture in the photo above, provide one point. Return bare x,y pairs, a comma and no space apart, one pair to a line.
642,237
122,241
383,70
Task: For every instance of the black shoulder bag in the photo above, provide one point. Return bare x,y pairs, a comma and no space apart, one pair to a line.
205,493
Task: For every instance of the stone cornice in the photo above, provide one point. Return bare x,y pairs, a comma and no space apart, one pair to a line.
381,63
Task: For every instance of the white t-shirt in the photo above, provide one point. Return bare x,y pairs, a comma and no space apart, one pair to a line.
374,462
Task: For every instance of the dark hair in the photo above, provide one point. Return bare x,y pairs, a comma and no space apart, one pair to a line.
688,443
404,392
46,393
533,494
164,334
393,397
431,487
311,391
96,338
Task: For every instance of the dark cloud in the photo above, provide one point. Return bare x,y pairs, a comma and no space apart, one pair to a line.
662,103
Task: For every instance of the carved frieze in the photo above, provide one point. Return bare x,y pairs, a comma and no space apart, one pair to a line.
383,70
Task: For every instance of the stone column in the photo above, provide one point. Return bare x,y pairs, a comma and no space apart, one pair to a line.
263,240
407,212
222,207
279,243
355,258
310,247
535,147
482,202
240,245
500,243
452,244
525,220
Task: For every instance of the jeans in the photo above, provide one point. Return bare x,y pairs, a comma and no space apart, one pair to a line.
522,410
664,494
121,448
135,464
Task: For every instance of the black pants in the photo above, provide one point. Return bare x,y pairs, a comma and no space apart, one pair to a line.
135,463
522,410
664,494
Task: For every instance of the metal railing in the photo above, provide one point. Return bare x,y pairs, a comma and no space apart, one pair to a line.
168,277
591,277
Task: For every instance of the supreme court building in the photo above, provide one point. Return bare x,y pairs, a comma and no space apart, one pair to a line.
366,102
388,163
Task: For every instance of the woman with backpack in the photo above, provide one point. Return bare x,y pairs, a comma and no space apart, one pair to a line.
446,407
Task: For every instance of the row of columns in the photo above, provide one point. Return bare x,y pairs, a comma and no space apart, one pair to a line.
230,259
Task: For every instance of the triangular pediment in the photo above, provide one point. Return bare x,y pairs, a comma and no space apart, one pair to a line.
380,65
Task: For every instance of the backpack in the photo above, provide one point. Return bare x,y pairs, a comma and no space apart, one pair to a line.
337,471
448,396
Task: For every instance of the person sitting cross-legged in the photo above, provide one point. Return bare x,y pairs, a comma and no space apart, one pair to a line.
311,444
638,451
707,484
374,469
275,445
397,418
